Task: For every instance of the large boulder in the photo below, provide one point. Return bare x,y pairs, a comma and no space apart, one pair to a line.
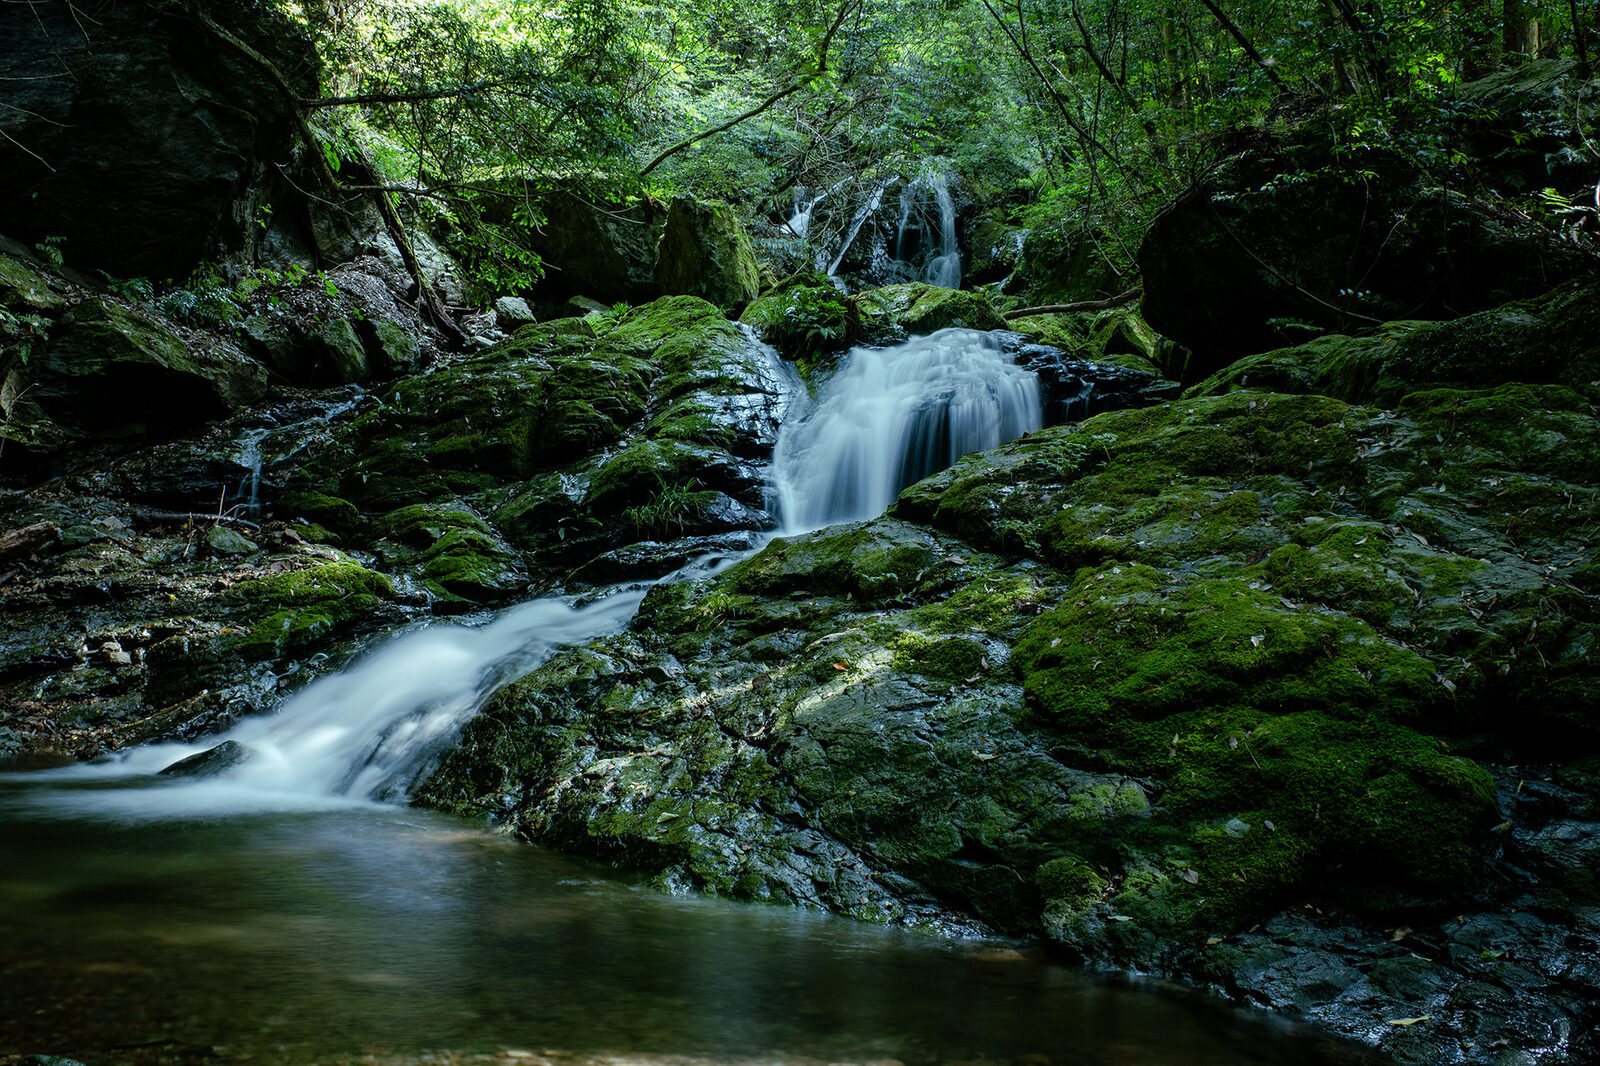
706,252
602,251
1552,340
1202,689
133,136
1292,239
110,372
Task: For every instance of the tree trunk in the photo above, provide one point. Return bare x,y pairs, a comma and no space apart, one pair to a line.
1519,30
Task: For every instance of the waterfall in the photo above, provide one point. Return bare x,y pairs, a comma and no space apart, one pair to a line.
246,499
944,269
890,417
919,244
374,729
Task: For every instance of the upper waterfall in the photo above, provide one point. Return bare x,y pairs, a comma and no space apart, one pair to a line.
890,417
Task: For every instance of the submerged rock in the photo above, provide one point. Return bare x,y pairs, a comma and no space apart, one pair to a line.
209,763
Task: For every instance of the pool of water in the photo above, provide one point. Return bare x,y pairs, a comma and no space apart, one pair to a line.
373,934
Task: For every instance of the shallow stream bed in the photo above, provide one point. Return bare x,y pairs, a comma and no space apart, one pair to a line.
135,934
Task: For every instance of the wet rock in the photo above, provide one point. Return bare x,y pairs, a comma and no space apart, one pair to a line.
113,372
226,541
1149,683
706,252
918,308
510,312
217,760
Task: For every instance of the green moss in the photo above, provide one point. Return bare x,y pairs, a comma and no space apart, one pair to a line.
803,321
916,307
307,605
949,660
1069,884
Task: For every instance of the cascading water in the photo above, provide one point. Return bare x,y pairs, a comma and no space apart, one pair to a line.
886,419
944,269
890,417
372,730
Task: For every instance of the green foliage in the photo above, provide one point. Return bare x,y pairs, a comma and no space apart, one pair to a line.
50,250
137,289
206,299
668,512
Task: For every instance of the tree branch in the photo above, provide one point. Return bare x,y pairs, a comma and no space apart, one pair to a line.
1244,42
1119,300
796,86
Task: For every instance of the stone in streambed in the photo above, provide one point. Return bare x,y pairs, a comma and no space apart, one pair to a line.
209,763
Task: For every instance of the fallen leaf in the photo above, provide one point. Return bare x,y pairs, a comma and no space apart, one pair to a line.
984,756
1409,1021
1119,918
1257,639
1192,876
840,666
1214,941
1400,934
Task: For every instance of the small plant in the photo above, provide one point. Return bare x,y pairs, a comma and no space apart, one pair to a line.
205,300
137,289
668,512
50,250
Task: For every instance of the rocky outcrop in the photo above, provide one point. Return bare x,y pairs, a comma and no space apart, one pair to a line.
1288,695
133,135
706,252
109,371
1292,239
602,251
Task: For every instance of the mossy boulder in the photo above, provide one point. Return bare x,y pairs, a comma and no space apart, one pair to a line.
804,317
1551,339
109,371
706,252
454,553
24,290
919,308
299,608
1294,238
1065,263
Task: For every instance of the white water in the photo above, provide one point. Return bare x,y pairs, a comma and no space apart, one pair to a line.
886,419
890,417
944,269
372,730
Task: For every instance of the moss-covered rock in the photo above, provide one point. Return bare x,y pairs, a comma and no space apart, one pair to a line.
804,317
918,308
1552,339
307,604
24,291
706,252
112,372
456,556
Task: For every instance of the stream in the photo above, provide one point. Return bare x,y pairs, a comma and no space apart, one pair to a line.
325,935
265,905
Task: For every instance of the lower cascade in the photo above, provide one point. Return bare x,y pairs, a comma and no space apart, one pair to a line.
890,417
371,731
